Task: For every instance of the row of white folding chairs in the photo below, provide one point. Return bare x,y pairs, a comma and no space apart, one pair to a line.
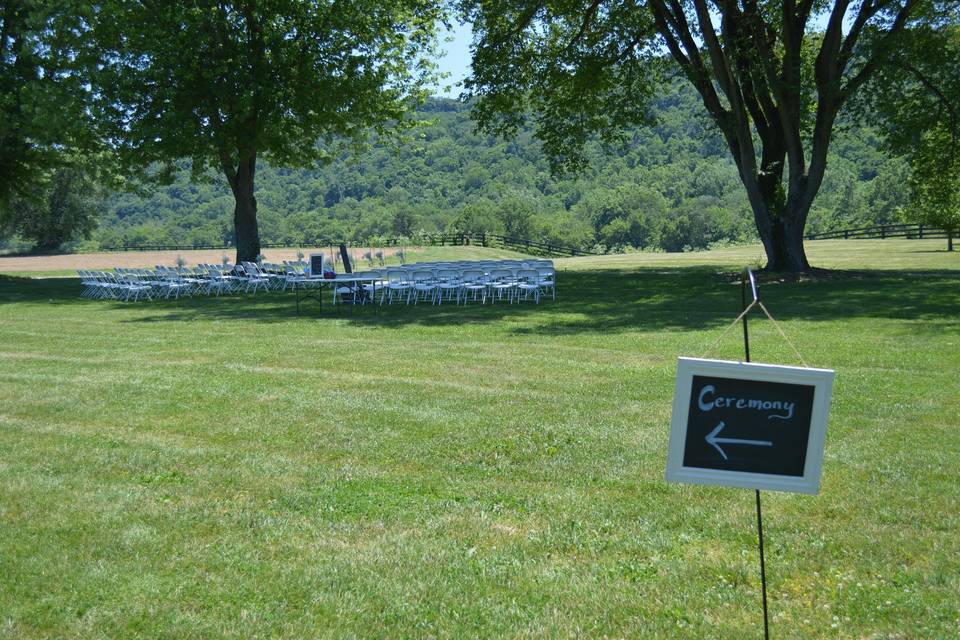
106,285
204,268
461,284
271,276
484,265
245,277
163,282
174,281
479,264
215,279
252,277
458,281
229,269
248,277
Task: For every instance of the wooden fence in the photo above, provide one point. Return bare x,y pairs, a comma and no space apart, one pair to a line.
910,231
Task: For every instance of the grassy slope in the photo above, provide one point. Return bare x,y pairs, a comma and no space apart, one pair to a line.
224,468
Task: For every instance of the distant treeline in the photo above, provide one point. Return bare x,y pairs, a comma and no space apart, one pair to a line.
672,188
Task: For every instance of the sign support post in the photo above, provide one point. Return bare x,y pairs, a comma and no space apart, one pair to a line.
744,277
749,425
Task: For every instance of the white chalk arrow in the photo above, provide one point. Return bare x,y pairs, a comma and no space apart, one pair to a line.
713,440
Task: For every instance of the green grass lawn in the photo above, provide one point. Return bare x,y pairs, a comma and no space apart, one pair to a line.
224,468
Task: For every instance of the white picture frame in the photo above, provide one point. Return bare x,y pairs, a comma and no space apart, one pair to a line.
314,257
820,379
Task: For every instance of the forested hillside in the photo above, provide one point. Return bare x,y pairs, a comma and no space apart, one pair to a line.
673,187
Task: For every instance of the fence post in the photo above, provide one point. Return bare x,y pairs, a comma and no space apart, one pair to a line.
883,232
921,232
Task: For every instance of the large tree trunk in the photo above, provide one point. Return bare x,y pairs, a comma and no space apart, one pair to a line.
780,218
245,208
782,235
781,230
781,221
783,243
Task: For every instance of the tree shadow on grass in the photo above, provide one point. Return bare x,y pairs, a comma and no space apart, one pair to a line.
595,301
697,298
622,298
20,289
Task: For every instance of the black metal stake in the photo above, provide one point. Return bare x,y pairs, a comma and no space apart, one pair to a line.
763,569
743,307
748,274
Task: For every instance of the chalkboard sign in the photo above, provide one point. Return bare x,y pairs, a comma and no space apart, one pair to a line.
749,425
316,264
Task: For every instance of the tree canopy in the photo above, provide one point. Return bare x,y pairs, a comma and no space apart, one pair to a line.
223,83
915,99
451,178
42,104
772,80
62,208
202,88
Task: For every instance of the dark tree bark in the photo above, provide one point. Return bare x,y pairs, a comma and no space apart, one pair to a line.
241,179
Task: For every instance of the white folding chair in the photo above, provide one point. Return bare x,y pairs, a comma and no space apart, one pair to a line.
253,278
448,284
502,282
528,285
473,281
398,283
216,282
547,279
424,286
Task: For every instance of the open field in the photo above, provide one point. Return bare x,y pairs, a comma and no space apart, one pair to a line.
831,254
67,264
827,254
224,468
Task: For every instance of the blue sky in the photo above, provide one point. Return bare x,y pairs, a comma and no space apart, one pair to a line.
456,62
